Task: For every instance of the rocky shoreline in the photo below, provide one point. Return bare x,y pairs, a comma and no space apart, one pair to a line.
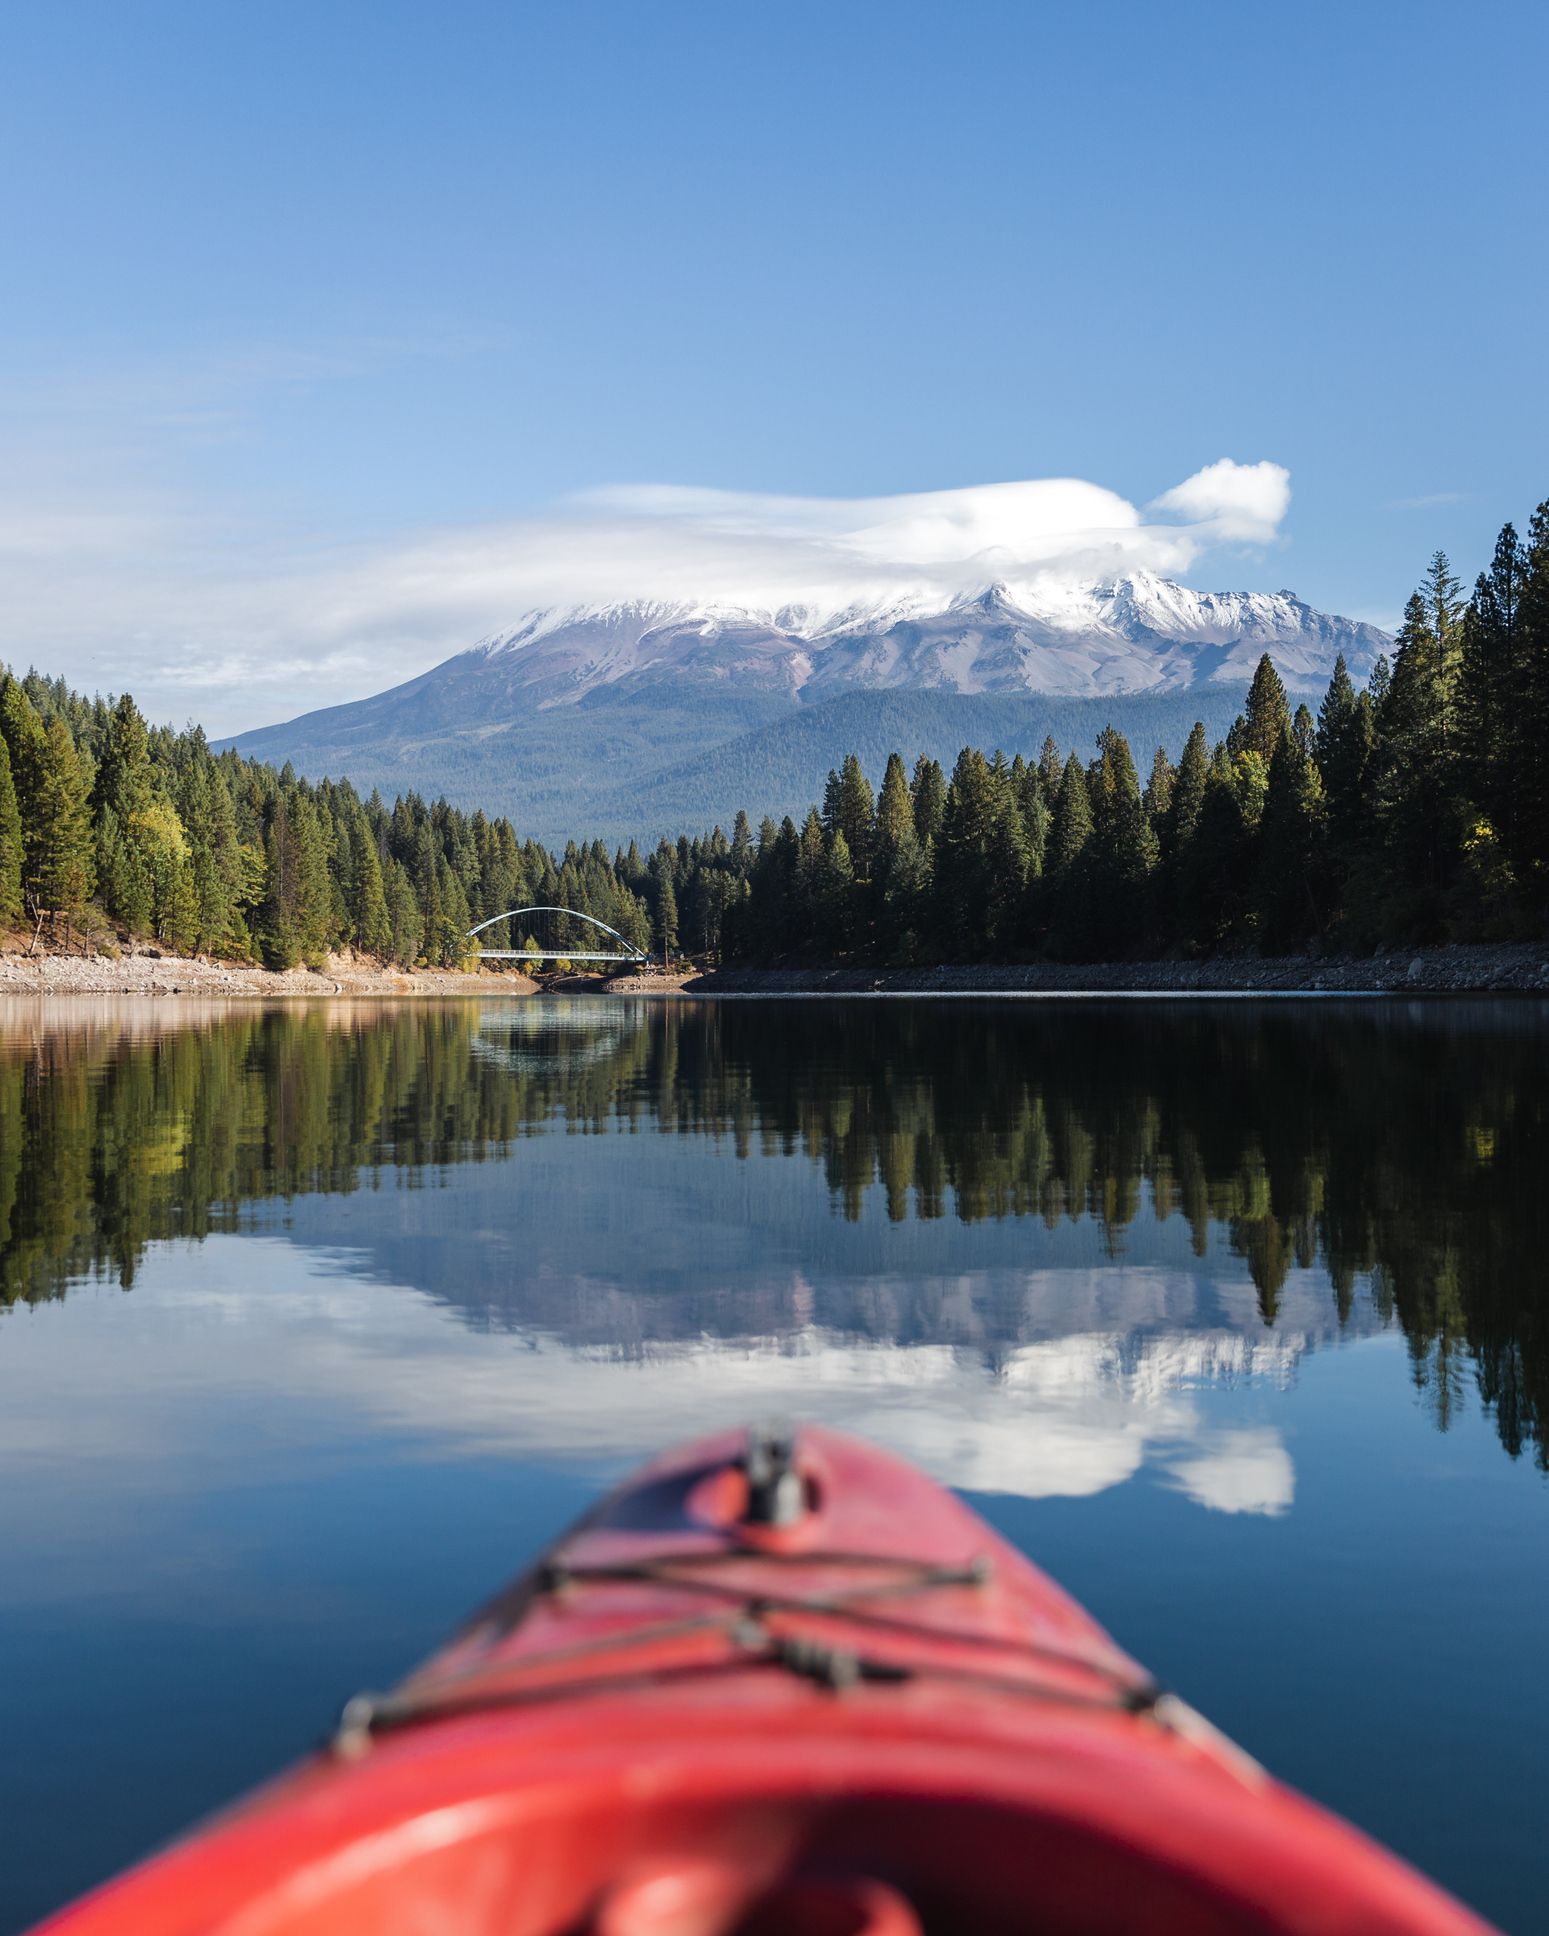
1521,968
149,973
1500,968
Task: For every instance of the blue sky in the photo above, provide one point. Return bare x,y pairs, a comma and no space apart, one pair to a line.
313,317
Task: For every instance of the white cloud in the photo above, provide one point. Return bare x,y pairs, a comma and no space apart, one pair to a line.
205,616
1230,503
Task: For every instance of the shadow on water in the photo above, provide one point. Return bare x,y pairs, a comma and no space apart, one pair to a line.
1399,1149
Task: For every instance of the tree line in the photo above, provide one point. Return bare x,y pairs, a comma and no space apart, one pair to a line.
1416,809
110,827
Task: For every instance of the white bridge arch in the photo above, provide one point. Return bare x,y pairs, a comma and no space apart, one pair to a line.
559,952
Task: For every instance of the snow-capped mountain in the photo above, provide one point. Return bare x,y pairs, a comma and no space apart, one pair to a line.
1135,634
643,718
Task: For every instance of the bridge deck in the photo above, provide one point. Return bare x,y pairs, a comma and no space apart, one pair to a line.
550,954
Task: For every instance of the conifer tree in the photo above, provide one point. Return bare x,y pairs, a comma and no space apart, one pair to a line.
1188,797
1158,795
1265,717
63,874
10,844
1051,770
666,936
1533,716
1066,901
279,925
929,789
22,731
1215,868
855,815
122,800
1343,749
742,844
369,919
1289,888
900,876
1124,848
1414,812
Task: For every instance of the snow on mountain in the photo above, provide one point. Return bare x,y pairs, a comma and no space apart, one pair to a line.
1135,634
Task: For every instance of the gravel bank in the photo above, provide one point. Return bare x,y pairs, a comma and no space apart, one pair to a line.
1462,970
158,974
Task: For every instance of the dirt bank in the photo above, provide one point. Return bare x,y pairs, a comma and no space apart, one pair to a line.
1463,970
161,974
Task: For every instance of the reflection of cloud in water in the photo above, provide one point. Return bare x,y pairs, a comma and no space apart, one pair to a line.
1242,1471
1061,1416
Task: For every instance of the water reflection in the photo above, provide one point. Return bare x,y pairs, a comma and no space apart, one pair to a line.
1018,1238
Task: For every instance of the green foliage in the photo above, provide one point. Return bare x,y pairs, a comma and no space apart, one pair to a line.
10,844
61,872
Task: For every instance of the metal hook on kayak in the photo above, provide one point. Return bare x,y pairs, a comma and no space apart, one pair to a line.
777,1493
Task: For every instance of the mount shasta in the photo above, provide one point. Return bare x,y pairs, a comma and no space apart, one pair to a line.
644,717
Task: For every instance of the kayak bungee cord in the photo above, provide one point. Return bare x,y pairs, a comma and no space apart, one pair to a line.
836,1668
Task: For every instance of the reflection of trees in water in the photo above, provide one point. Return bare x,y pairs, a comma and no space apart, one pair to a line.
1405,1148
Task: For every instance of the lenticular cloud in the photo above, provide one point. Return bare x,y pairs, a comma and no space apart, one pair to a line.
231,630
666,541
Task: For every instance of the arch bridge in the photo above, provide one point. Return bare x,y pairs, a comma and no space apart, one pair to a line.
559,951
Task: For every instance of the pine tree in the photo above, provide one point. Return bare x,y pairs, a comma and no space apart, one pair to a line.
899,875
1188,799
1490,687
1213,873
1067,901
1534,708
1051,770
315,930
929,788
855,815
666,936
370,921
836,895
278,923
1343,752
1158,795
10,844
1124,849
1290,884
742,844
123,798
1415,814
1265,717
63,874
22,731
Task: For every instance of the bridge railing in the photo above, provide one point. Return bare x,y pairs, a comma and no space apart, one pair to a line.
560,951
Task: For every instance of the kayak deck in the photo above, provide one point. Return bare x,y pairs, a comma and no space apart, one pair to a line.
774,1685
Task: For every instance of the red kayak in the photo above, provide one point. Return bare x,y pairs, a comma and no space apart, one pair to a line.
774,1685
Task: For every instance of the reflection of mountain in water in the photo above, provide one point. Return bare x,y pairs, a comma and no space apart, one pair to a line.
1147,1178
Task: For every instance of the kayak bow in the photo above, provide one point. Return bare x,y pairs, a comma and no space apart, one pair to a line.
774,1685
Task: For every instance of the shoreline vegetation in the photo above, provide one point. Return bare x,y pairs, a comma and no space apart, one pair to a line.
1406,818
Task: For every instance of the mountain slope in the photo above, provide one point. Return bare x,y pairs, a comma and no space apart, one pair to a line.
643,718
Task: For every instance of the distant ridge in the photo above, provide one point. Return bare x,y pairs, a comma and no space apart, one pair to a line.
643,717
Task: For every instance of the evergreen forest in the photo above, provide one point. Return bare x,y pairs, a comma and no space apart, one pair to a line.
1415,810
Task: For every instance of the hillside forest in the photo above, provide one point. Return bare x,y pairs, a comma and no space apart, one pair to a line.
1415,810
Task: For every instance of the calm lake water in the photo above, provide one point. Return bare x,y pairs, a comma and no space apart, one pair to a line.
315,1321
